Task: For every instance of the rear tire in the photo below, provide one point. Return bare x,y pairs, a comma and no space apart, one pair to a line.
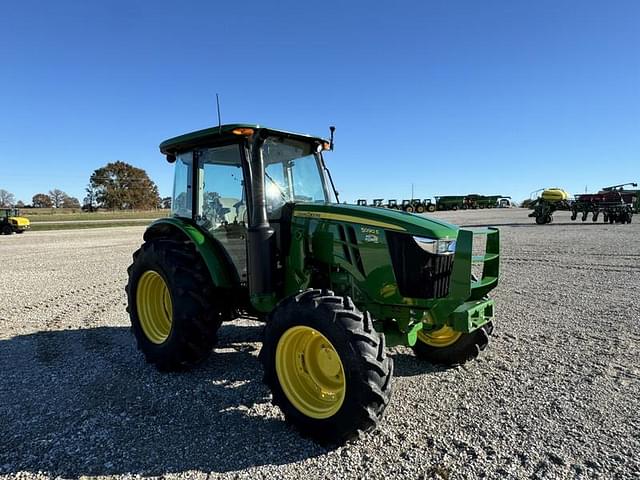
334,408
431,208
420,209
184,335
461,347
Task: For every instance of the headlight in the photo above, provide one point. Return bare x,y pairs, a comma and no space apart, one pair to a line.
435,246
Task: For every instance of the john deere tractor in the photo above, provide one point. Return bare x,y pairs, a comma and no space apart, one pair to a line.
11,221
257,229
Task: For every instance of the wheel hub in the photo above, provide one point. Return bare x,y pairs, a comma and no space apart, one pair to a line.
310,372
442,337
154,307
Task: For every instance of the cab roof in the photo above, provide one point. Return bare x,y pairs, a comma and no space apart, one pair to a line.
191,140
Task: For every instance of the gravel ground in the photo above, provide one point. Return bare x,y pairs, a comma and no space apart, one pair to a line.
556,395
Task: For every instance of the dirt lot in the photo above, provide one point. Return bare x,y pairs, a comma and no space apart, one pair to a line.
556,395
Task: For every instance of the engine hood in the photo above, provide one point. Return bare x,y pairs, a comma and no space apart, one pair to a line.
384,218
19,221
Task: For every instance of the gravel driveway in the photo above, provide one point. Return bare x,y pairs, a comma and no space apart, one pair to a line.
556,395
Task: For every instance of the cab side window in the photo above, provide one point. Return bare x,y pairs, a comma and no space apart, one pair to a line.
221,201
182,192
221,192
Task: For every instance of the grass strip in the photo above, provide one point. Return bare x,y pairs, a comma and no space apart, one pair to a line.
77,226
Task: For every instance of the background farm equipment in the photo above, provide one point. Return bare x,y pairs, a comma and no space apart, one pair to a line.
450,202
631,197
418,206
479,201
413,205
470,202
429,205
504,202
611,204
11,221
377,202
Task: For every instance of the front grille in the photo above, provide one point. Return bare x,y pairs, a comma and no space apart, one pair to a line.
419,274
350,247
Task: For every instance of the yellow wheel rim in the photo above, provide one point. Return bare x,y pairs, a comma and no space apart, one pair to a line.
310,372
155,310
443,337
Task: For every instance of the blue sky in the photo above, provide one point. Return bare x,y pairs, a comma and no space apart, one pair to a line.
455,97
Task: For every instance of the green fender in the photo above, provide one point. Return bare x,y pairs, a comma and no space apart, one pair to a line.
215,258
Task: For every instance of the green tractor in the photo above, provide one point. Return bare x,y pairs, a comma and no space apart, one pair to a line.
428,205
11,221
257,229
392,204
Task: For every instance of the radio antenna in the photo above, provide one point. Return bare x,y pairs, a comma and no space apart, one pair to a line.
219,119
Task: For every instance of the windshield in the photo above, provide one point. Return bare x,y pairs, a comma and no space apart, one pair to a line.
292,173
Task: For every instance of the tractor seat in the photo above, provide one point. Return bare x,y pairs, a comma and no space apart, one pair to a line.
236,209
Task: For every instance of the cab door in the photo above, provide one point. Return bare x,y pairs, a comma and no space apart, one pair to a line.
221,207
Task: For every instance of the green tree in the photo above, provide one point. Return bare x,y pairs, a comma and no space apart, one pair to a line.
89,202
119,185
41,200
70,202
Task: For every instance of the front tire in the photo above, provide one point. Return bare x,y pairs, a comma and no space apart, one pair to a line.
445,346
174,309
326,366
7,230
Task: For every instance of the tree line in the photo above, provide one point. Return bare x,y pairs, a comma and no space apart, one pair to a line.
116,186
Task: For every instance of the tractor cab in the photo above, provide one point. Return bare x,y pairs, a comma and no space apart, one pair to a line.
247,178
11,221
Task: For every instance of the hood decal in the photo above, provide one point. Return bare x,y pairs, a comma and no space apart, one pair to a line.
347,218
